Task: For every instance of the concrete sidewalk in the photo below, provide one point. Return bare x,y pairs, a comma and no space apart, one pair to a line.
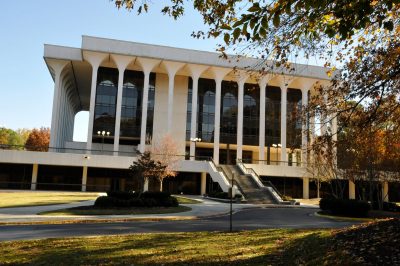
207,208
30,214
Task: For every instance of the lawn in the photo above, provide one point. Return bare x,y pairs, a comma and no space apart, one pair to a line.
184,200
247,247
373,243
92,210
38,198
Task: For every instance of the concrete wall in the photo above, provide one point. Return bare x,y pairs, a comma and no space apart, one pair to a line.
278,170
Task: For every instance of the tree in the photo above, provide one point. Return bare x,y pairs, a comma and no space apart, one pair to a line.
24,134
165,152
322,166
280,27
38,139
145,168
10,137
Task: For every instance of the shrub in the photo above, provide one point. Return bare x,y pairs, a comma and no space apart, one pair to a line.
124,195
171,202
104,202
158,195
391,207
219,195
351,208
128,199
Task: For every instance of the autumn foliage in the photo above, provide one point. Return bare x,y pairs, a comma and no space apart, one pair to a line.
38,140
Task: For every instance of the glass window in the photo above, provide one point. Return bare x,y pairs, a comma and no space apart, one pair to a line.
106,95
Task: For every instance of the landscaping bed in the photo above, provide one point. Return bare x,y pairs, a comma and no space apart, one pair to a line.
128,203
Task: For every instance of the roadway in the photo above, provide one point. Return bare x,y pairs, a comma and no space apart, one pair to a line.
244,219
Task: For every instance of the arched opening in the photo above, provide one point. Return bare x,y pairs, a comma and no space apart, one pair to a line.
81,123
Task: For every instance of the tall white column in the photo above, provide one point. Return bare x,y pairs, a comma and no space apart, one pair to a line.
144,112
385,191
122,62
304,130
219,74
263,86
172,68
196,71
352,190
306,188
95,60
239,136
57,66
203,183
283,158
147,67
84,178
217,119
35,168
261,141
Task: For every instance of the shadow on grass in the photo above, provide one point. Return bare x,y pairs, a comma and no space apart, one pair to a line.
263,247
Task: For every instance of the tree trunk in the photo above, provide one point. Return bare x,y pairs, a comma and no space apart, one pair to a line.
161,184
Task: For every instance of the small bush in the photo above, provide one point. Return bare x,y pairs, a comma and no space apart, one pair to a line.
124,195
350,208
104,202
155,195
219,195
171,202
391,207
128,199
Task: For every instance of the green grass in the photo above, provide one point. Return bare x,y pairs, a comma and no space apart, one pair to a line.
39,198
91,210
261,247
375,243
183,200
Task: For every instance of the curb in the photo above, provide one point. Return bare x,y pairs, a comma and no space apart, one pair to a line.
344,219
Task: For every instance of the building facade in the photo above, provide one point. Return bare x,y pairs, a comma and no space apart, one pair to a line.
220,112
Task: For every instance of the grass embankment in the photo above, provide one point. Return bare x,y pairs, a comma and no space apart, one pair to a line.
39,198
372,244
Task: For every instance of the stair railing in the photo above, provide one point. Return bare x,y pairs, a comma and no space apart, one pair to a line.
250,171
226,178
257,179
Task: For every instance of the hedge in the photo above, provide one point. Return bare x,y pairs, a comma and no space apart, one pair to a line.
346,207
129,199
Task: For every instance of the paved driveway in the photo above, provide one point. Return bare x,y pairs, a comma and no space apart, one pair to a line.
245,219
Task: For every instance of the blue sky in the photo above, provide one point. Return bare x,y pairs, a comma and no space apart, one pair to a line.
26,86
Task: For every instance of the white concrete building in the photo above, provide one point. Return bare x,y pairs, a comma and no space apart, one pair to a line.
141,92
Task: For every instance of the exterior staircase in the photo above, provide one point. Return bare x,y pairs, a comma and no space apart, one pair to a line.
251,186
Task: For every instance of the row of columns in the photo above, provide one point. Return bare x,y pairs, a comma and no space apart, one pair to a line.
219,74
95,59
122,62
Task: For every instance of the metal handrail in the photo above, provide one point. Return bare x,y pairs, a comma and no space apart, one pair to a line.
272,185
257,178
250,171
